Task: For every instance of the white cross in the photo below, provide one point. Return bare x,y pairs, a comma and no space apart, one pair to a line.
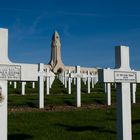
78,77
69,83
23,88
88,76
15,85
108,93
22,72
123,76
33,84
107,87
65,78
41,75
48,75
133,92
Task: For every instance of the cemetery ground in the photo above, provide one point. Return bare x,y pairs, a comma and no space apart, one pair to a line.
60,119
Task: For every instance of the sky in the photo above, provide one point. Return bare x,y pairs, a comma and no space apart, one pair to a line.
89,30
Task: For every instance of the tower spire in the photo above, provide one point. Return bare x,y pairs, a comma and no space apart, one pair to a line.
56,61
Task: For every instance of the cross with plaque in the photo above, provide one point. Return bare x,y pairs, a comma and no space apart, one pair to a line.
15,72
122,75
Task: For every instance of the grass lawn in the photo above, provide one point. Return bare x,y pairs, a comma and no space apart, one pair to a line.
72,124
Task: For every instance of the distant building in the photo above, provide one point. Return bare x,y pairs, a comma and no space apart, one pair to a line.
56,64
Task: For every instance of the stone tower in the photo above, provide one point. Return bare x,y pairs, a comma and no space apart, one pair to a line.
56,61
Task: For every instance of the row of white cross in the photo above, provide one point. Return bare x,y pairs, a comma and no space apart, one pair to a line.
64,78
77,76
107,90
122,75
67,78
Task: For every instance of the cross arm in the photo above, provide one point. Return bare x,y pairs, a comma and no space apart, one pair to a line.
106,75
118,76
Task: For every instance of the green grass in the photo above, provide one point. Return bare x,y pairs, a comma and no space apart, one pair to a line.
32,100
76,124
73,125
97,124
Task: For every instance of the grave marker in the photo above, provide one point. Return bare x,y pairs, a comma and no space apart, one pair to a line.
69,83
23,88
33,84
89,79
48,81
78,76
123,76
133,92
14,72
41,85
15,85
108,94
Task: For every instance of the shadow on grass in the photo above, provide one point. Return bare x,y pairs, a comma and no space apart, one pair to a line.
136,121
85,128
68,103
32,105
99,102
19,137
79,128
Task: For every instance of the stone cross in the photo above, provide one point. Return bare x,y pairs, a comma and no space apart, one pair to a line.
133,92
93,80
23,88
15,85
52,78
61,78
15,72
41,75
88,76
78,77
69,83
48,81
88,80
65,79
10,82
3,110
84,78
3,84
123,76
33,84
108,93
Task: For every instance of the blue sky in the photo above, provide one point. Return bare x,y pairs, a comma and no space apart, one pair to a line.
89,30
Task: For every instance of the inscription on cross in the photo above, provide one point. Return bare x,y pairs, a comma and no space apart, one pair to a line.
123,76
